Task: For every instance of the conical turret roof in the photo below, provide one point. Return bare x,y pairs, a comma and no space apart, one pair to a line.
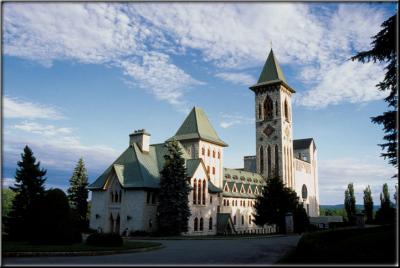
197,126
271,73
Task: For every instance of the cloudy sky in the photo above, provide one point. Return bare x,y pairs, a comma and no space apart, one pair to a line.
79,77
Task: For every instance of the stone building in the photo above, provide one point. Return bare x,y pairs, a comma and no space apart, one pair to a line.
124,197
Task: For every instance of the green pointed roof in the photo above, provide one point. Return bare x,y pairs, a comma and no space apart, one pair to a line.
197,126
271,73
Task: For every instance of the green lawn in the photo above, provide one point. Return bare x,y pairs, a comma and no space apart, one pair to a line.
8,246
361,246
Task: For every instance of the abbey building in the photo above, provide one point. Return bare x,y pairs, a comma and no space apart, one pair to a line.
124,197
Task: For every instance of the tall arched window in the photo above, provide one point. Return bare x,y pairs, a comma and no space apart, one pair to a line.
261,160
249,219
196,223
269,160
268,108
286,111
201,224
242,220
199,193
276,160
210,223
234,220
259,111
276,108
194,191
204,192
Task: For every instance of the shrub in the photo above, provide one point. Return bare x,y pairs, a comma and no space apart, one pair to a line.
55,224
138,233
104,240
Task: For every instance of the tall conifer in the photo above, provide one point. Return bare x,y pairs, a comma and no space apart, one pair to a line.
368,204
29,191
78,193
173,208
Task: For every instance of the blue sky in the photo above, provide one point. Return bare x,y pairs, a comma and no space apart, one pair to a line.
79,77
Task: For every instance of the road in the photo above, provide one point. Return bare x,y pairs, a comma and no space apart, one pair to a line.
180,252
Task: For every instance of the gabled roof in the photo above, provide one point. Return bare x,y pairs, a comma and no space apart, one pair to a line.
136,169
303,143
197,126
271,73
256,180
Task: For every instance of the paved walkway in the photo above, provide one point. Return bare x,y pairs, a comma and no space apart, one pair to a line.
180,252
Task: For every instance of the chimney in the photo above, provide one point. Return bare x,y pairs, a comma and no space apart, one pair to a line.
141,138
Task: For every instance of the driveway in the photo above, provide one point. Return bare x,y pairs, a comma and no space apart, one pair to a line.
180,252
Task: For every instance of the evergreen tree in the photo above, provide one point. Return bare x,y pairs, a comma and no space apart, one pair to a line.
350,203
173,208
368,204
28,189
384,50
78,194
274,202
386,213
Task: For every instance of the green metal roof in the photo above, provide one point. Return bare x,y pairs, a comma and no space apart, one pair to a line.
271,73
228,179
137,169
197,126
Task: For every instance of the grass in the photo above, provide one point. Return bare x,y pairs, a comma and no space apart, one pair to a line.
361,246
12,246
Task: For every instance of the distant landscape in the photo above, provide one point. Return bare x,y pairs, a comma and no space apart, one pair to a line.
341,206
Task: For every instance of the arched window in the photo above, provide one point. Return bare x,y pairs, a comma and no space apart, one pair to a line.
116,197
269,160
276,160
213,169
259,111
112,196
261,160
196,223
276,108
204,192
194,191
286,111
242,220
249,219
213,154
210,223
224,202
208,152
202,151
219,155
227,202
268,108
120,196
234,220
201,224
199,193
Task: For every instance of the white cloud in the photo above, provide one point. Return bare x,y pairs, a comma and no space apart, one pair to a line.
17,108
237,78
317,40
231,120
56,147
45,130
7,182
336,174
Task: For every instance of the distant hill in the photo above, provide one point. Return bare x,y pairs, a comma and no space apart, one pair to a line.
341,206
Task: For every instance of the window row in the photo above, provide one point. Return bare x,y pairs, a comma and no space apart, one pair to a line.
270,165
242,203
208,170
242,218
199,192
199,225
151,198
116,196
203,152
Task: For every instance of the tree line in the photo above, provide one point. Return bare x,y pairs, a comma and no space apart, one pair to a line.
43,216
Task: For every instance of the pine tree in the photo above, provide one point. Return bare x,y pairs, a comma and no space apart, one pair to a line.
384,50
368,204
386,213
274,202
78,194
29,190
350,203
173,209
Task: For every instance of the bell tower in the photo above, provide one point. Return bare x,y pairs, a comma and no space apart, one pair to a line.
273,114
